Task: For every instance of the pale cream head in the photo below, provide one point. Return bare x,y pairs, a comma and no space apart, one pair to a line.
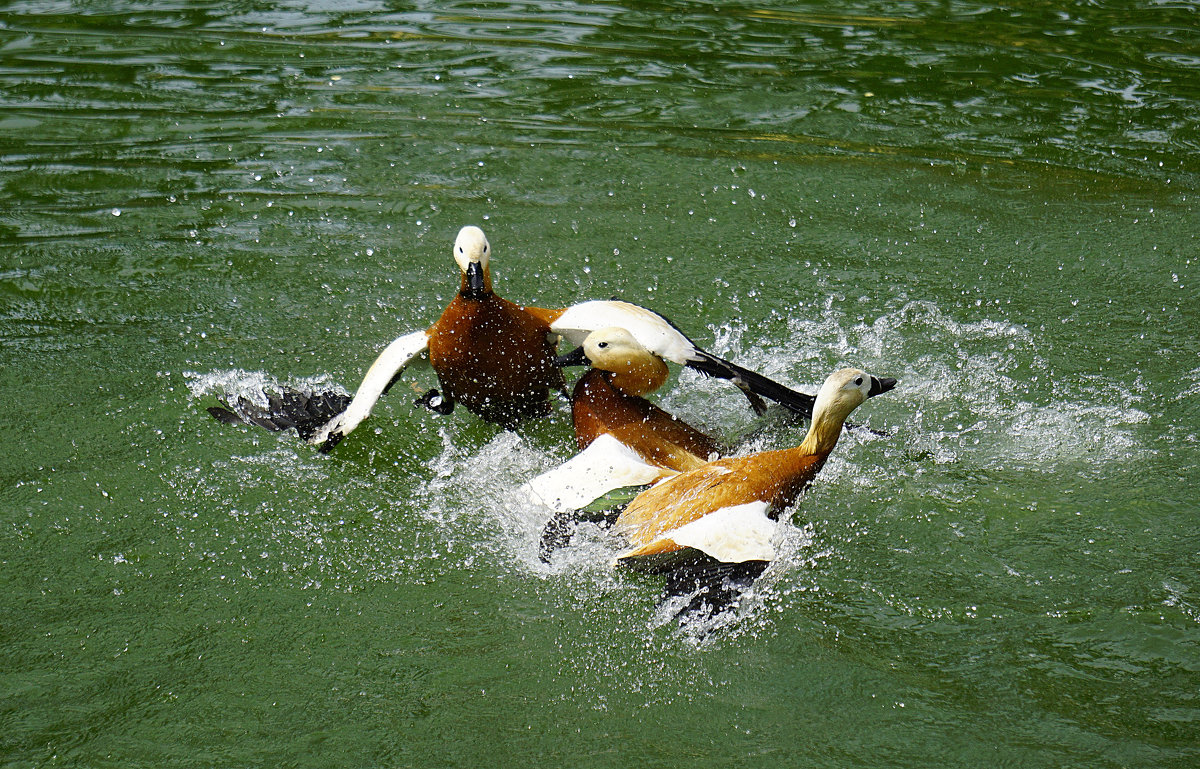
471,245
638,371
614,349
843,391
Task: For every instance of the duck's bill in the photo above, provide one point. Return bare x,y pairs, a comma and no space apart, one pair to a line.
475,282
576,357
880,385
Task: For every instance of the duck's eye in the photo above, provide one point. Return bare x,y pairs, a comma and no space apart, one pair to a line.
858,382
462,250
602,345
485,248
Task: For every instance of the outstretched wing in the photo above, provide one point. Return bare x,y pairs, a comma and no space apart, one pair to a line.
651,330
286,409
604,466
663,338
325,418
383,373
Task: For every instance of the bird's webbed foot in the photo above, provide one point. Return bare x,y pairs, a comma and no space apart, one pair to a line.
436,402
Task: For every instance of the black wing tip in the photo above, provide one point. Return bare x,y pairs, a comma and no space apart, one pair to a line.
752,382
287,409
801,404
225,414
332,441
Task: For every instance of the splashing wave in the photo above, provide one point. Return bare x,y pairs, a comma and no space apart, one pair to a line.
977,395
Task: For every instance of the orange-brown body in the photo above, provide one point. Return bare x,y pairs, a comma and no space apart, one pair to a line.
598,406
544,315
774,477
493,357
768,481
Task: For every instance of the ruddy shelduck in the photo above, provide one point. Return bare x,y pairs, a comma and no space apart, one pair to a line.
623,439
724,510
489,354
661,337
608,399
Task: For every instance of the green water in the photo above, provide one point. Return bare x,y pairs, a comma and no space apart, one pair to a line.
994,204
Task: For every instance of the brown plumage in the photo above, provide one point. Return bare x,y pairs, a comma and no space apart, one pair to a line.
608,400
771,478
490,354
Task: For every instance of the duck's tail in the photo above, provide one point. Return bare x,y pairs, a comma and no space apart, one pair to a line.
752,384
701,592
288,409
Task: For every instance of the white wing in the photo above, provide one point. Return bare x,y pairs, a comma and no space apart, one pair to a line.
656,334
651,330
386,367
604,466
732,534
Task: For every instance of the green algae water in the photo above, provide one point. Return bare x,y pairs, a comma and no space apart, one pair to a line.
994,204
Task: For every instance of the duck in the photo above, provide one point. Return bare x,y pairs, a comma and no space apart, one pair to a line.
724,512
663,338
609,399
623,439
491,355
496,358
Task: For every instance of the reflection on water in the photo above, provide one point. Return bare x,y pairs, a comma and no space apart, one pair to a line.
992,204
206,102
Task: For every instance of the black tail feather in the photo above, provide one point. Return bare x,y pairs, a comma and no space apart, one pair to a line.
752,382
561,527
709,587
285,410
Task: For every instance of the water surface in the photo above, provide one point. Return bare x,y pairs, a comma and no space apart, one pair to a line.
993,204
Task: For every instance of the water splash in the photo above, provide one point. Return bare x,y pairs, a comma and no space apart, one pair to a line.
977,395
238,383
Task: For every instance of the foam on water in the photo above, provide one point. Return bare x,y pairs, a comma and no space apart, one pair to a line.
479,489
474,495
983,392
234,383
979,395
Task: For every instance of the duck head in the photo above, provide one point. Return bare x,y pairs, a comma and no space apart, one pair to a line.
472,252
629,366
843,391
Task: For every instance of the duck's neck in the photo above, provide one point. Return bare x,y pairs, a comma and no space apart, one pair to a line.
640,378
822,435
